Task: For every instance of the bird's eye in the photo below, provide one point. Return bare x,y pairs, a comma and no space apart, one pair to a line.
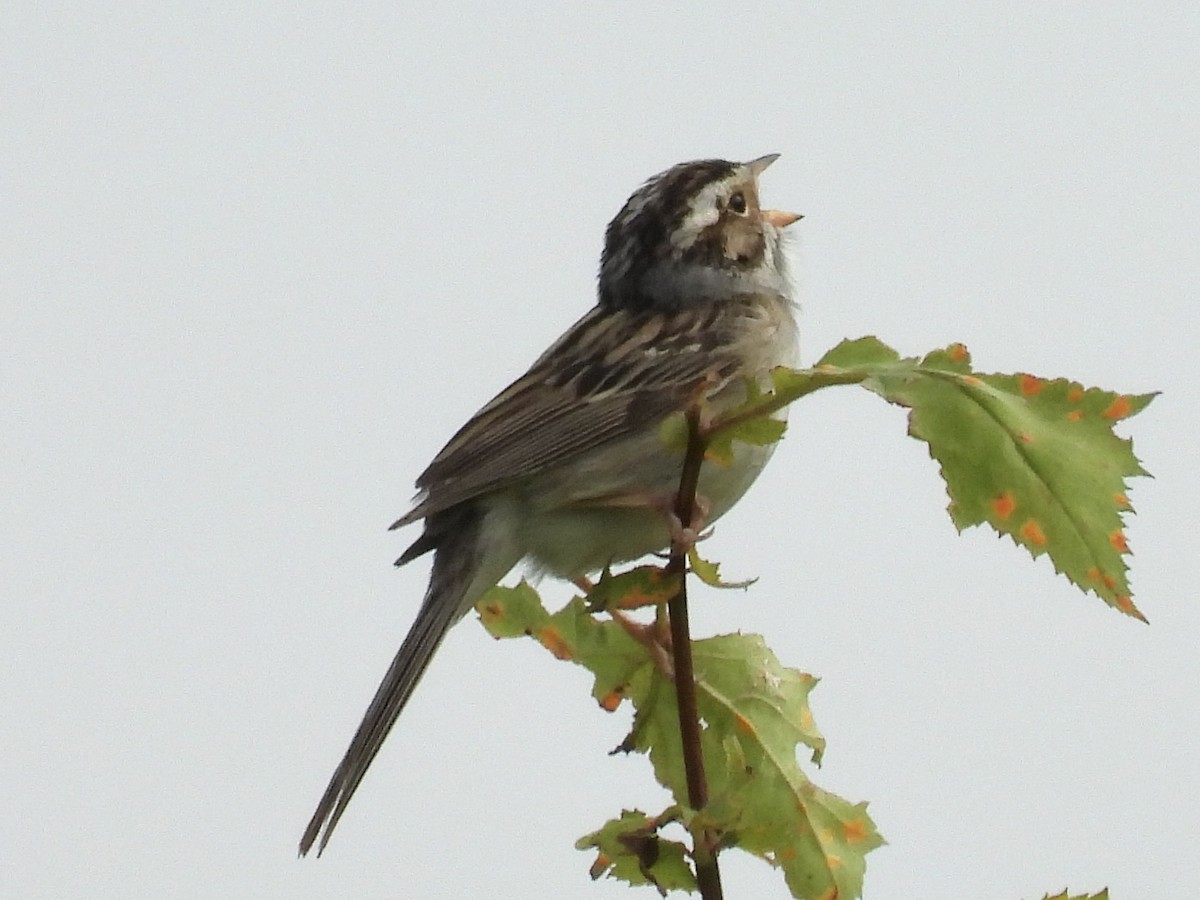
738,203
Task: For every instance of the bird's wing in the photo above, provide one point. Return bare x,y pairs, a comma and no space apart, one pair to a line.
611,375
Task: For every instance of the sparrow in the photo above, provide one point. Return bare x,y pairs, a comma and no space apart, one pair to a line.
566,469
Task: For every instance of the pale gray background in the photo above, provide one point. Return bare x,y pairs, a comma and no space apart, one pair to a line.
258,264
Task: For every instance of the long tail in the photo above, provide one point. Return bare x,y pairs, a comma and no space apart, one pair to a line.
455,576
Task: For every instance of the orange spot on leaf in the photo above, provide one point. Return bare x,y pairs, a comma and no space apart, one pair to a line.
1075,395
1075,415
610,701
600,866
1004,505
744,724
1118,409
1125,605
972,380
1102,578
1117,539
1031,384
717,457
657,587
957,352
1121,500
1025,437
1032,532
855,830
552,640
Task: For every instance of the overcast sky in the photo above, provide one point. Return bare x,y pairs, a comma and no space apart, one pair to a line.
256,265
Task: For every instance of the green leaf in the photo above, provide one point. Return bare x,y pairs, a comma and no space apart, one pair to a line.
865,351
754,713
757,431
710,572
1035,459
637,588
618,662
630,849
1103,895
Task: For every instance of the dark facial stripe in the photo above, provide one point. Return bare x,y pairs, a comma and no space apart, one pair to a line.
639,235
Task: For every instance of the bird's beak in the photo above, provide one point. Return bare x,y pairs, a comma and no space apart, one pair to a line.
758,166
779,218
776,217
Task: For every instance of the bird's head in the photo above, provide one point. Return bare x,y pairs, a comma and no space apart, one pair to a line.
694,234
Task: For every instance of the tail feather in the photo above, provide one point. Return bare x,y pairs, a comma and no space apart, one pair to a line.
452,584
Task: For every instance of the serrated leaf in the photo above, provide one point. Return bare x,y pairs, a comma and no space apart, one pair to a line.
852,354
636,588
619,663
1103,895
1035,459
710,572
754,715
631,849
760,711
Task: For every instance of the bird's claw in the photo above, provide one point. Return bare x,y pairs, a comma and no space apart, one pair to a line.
687,536
655,638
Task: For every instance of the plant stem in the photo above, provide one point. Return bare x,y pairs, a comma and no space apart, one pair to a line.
708,875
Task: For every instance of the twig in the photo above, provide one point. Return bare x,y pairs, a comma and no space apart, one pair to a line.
708,875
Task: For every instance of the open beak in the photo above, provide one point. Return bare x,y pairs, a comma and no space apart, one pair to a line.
776,217
758,166
779,218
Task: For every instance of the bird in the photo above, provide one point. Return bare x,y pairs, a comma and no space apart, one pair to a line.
566,469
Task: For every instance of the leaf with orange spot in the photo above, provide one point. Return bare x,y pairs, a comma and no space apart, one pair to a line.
1043,446
1118,409
1031,384
635,589
630,848
754,713
1031,532
1125,605
614,658
857,830
550,638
